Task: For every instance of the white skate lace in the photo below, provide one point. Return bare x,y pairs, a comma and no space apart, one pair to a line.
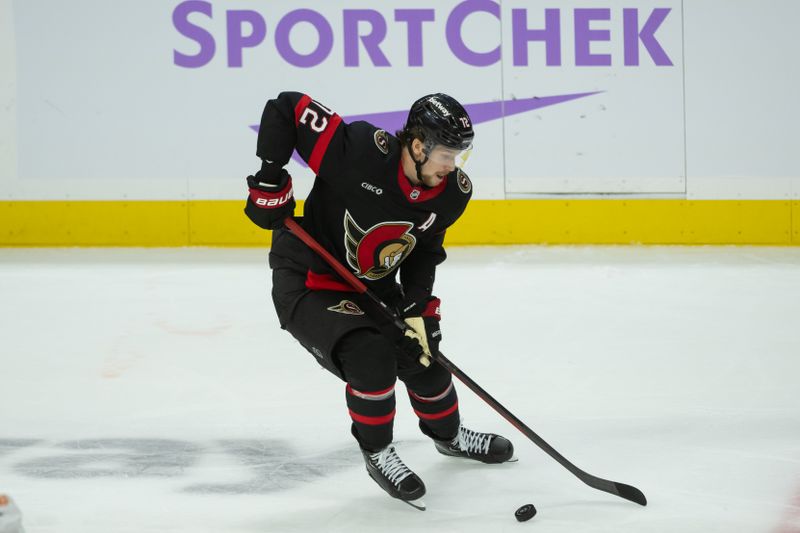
472,441
390,465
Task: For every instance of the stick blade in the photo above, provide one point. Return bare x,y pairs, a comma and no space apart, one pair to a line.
630,493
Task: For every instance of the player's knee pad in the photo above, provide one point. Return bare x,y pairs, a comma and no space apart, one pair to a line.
367,359
430,382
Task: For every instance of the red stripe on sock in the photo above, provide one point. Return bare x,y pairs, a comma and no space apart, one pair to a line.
437,416
371,420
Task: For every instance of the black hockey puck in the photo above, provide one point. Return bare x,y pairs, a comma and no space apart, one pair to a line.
526,512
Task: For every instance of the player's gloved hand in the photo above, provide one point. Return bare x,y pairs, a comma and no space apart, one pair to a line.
411,356
423,319
271,198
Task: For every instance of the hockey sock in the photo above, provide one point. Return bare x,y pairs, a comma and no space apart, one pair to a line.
372,413
438,412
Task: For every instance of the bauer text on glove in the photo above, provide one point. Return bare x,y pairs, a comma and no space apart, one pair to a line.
271,199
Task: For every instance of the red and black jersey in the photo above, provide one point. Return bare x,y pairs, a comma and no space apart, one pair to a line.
362,208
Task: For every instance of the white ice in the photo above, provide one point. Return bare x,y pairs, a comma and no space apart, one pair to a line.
153,391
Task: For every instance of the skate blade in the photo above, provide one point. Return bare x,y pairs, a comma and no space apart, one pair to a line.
419,505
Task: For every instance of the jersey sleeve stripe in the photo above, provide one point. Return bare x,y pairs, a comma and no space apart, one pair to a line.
302,104
321,146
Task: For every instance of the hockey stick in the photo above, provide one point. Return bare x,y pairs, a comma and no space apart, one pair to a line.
622,490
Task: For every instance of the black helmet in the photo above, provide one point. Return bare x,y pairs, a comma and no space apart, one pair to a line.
442,120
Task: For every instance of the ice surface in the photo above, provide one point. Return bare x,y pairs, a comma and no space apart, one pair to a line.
153,391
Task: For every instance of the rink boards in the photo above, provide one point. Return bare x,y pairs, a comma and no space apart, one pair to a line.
222,223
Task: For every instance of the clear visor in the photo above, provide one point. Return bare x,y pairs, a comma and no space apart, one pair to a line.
441,155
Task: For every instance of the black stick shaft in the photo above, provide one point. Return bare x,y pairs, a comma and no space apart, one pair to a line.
618,489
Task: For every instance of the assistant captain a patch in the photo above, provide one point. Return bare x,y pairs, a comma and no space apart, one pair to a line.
382,140
346,307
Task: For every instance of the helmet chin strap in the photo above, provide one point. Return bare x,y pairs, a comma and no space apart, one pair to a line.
417,164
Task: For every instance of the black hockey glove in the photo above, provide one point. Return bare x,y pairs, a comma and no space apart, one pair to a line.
411,358
271,198
423,319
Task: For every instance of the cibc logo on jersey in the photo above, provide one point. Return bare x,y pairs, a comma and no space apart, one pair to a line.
378,251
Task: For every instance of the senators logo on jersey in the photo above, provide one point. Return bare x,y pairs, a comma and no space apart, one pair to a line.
346,307
382,140
378,251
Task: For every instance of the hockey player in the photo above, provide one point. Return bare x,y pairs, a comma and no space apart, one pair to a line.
381,204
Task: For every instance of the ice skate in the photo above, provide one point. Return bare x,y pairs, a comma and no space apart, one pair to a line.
393,476
483,447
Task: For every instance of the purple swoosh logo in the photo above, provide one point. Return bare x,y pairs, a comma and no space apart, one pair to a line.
392,121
